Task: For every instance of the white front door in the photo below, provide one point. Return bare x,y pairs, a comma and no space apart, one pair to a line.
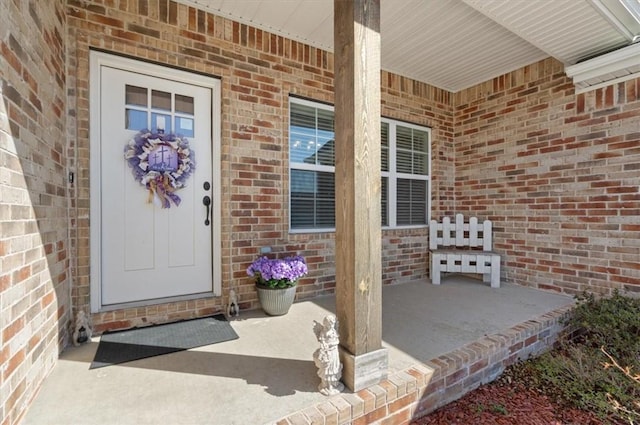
145,252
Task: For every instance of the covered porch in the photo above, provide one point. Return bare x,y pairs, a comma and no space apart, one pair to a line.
442,341
545,147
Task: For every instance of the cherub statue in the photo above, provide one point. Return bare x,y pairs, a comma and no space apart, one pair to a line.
327,357
82,330
232,307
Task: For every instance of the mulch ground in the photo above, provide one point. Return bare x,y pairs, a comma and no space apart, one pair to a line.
500,403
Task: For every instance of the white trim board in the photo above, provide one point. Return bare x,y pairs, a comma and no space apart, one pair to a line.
610,68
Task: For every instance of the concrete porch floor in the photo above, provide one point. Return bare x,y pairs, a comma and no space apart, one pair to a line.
268,373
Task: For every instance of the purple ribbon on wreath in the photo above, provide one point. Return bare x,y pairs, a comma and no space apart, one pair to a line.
160,162
160,187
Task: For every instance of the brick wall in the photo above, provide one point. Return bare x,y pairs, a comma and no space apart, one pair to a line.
558,173
34,254
258,71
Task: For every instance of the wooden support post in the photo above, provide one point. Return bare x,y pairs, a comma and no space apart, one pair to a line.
358,186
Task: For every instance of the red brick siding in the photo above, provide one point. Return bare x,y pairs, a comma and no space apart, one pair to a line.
258,71
35,275
557,173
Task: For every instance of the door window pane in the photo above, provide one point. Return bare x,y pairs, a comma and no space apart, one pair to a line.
161,100
161,122
184,104
135,95
135,119
184,126
159,115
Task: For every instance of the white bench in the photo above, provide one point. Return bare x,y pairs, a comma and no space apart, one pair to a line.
466,257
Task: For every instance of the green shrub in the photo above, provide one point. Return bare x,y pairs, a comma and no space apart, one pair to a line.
578,373
613,323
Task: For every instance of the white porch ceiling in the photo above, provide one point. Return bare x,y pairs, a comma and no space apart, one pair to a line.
454,44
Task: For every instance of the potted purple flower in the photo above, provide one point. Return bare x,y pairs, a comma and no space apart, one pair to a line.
276,281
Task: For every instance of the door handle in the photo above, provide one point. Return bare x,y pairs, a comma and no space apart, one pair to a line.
207,202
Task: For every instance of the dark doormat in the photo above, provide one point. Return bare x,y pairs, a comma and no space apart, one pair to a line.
139,343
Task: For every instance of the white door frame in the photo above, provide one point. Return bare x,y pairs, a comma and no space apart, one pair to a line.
96,61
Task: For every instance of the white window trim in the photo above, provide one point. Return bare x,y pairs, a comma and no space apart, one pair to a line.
392,175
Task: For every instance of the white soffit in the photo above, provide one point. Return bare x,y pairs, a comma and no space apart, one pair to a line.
307,21
448,44
614,67
566,30
451,44
444,43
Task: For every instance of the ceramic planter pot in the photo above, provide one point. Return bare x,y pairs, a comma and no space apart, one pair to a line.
276,301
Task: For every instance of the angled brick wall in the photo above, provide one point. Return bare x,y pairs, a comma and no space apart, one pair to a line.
35,275
558,174
258,71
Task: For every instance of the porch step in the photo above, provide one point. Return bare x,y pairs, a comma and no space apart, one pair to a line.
421,389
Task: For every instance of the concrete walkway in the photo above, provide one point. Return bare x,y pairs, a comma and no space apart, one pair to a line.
268,372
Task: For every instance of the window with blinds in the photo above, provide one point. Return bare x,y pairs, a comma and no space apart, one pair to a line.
405,158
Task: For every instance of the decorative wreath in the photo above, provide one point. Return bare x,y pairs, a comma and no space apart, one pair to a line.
160,162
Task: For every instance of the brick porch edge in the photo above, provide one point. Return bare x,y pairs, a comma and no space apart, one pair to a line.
420,389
